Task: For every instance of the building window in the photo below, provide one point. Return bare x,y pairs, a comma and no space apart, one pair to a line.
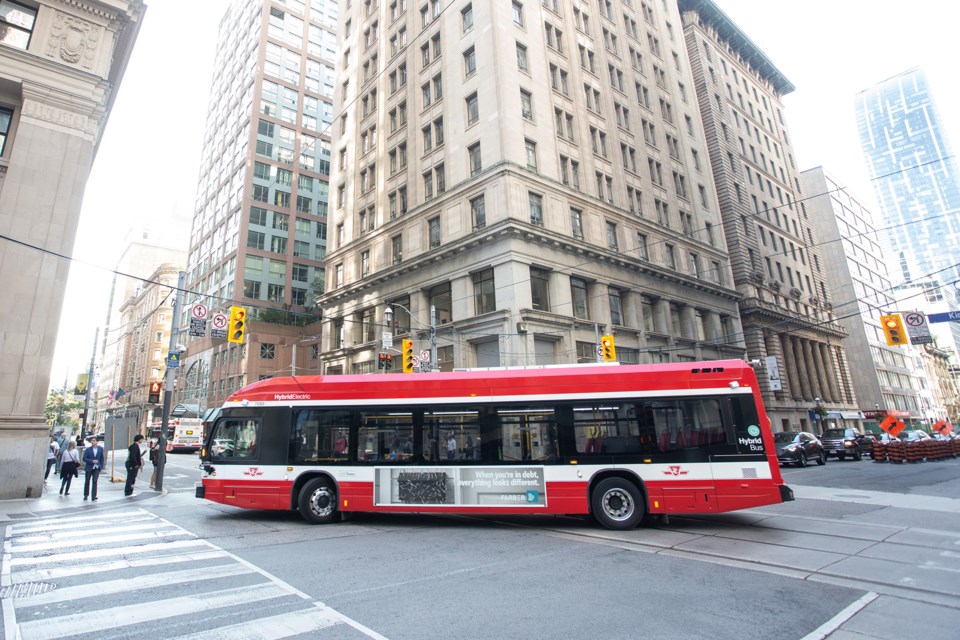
469,61
365,262
275,292
466,16
368,325
531,149
339,276
616,307
397,248
6,117
578,296
539,289
433,225
484,292
526,104
473,109
441,300
643,252
268,351
473,152
522,63
16,24
536,208
255,239
612,236
477,212
576,223
517,14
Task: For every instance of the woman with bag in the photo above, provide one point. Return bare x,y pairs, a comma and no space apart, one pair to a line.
69,467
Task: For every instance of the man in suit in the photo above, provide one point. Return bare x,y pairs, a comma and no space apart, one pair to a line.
93,463
134,464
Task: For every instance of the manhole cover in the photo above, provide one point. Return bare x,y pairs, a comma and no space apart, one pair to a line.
26,589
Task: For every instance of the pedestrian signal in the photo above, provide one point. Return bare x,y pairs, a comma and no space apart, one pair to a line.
407,355
153,397
608,349
893,330
238,325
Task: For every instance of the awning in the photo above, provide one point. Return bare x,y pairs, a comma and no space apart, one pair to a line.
844,415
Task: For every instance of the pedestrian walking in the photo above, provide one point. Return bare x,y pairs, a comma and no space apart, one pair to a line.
53,452
154,460
69,467
92,466
61,445
134,464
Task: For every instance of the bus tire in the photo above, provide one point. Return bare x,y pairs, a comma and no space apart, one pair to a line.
318,502
617,504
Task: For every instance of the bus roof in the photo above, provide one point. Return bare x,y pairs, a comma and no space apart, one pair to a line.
559,381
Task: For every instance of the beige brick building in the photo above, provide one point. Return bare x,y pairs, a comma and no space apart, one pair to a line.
60,66
789,323
536,173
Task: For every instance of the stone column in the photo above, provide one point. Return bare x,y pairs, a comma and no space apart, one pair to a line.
830,369
802,370
661,318
793,378
816,367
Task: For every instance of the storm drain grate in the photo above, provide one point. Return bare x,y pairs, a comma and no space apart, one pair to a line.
25,589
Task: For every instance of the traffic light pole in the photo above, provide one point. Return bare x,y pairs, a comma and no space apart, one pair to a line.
171,374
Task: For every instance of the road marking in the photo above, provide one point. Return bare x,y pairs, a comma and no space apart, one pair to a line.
837,621
90,541
103,553
272,628
41,575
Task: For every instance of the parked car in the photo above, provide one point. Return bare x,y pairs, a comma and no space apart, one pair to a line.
914,435
847,442
798,447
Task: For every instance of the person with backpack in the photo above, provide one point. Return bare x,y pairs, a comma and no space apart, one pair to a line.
154,460
53,452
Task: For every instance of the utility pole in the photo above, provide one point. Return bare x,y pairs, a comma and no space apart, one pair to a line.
86,395
293,361
168,390
433,339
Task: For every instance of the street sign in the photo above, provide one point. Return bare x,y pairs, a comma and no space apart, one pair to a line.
387,340
199,311
773,374
416,361
917,328
198,327
219,327
173,360
424,356
949,316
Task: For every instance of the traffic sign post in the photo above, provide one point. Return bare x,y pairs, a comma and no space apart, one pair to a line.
917,328
219,327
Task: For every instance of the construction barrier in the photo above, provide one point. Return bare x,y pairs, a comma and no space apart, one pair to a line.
896,451
915,451
879,452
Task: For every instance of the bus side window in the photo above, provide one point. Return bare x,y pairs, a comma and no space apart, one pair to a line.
319,435
236,439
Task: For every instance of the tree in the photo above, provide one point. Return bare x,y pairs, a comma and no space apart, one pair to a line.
62,409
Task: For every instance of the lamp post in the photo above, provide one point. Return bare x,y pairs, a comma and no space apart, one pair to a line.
388,318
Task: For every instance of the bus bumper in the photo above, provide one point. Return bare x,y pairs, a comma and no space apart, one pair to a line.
786,493
201,491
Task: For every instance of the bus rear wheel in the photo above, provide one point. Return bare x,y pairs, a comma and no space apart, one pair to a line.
617,504
318,502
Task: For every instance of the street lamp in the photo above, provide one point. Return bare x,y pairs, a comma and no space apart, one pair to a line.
818,411
388,319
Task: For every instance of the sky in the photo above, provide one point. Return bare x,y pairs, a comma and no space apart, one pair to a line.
147,165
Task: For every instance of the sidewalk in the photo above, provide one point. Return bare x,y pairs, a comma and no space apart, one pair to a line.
51,502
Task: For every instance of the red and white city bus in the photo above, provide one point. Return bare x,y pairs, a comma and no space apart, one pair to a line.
617,442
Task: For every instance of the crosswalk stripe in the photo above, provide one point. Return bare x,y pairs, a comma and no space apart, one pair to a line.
41,575
69,535
271,628
124,585
58,524
69,625
90,541
71,556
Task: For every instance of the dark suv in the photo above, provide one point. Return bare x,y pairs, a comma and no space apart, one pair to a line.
844,442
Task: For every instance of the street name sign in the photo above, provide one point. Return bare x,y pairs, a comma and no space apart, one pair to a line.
949,316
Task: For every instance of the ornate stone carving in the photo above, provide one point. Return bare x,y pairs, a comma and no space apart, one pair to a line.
60,117
775,285
73,40
795,293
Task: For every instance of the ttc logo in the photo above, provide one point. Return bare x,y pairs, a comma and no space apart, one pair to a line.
253,472
675,470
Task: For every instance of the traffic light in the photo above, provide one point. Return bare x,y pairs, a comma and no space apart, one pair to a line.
893,329
607,349
407,355
389,361
238,325
153,397
382,361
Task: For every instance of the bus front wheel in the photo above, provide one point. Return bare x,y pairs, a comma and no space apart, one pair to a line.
318,502
617,504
